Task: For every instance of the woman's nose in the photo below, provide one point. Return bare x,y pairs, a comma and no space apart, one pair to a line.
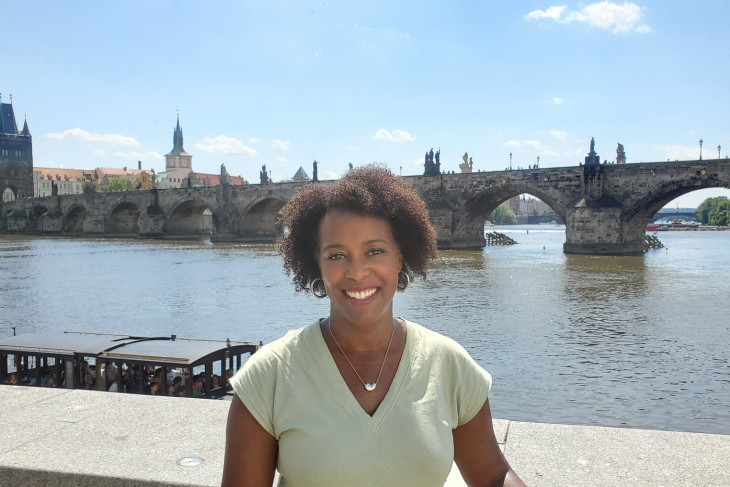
357,269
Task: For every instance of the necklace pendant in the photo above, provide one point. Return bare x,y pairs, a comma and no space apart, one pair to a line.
370,386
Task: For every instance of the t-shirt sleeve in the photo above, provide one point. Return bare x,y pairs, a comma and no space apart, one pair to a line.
255,386
471,384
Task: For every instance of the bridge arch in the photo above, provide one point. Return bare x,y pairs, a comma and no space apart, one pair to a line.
10,194
481,205
636,216
258,221
123,219
36,217
189,219
73,222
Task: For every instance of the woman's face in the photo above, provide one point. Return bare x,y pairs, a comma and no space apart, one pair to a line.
359,260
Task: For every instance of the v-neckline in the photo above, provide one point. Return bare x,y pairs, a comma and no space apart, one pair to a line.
332,372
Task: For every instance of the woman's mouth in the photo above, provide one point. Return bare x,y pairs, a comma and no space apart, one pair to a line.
361,295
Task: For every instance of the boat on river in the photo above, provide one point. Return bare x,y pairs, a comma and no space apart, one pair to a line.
121,363
653,227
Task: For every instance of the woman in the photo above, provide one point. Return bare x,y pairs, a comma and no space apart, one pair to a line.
360,398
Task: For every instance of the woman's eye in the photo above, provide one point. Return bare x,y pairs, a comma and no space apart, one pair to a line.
376,251
335,257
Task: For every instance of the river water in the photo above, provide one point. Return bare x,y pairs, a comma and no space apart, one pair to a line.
640,342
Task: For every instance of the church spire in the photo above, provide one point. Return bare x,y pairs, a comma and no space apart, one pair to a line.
177,139
26,130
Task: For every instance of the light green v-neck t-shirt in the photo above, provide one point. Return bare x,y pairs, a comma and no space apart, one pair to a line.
294,390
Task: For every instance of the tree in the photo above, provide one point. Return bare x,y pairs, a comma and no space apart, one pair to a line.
502,215
119,184
89,188
714,211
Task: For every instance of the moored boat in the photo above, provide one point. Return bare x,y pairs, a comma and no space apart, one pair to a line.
121,363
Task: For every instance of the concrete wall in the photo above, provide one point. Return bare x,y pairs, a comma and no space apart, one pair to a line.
88,438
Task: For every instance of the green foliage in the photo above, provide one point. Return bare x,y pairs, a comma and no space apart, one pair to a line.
714,211
503,215
119,184
90,187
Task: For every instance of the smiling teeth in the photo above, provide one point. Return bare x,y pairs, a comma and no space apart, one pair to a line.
360,294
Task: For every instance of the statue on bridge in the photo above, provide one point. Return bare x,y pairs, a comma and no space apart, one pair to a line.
592,159
264,175
620,154
432,168
468,165
225,177
314,170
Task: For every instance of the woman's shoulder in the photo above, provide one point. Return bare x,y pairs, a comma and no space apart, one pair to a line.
288,345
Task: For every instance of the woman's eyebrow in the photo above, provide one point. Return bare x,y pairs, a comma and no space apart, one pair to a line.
369,242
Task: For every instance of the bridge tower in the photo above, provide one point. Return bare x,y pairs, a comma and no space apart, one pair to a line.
178,161
16,156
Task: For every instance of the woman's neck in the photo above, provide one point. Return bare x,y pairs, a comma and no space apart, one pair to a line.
361,338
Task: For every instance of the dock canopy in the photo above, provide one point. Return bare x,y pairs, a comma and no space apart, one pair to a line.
70,352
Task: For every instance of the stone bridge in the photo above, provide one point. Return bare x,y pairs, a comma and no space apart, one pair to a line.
605,207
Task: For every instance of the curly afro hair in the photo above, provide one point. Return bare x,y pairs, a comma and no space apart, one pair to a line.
370,190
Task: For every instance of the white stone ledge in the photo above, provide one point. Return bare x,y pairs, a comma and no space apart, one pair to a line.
87,438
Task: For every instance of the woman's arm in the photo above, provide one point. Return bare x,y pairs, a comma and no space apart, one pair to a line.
251,451
478,456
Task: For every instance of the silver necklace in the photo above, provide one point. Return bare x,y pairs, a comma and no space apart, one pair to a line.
369,386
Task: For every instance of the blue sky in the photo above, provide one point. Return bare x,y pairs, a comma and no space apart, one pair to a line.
285,83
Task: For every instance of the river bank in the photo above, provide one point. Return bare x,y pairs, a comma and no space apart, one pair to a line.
695,228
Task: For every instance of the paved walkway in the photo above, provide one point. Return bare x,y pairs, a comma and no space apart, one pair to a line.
87,438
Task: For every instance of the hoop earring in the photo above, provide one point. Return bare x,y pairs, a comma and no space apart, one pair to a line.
403,280
316,287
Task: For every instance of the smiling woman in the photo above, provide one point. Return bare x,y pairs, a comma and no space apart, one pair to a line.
361,398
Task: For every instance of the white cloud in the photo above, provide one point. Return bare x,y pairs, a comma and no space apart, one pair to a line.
394,135
253,140
224,144
559,134
618,18
281,144
555,101
86,136
512,143
532,143
552,13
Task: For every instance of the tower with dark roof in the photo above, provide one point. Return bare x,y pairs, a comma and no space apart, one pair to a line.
178,160
16,156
